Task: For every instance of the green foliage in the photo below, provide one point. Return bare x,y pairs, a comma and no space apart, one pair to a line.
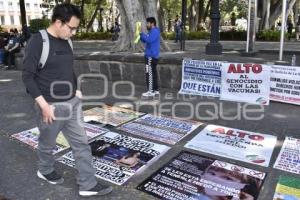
233,35
38,24
93,36
239,7
197,35
270,35
188,35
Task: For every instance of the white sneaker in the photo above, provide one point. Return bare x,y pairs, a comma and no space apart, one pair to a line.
156,93
148,94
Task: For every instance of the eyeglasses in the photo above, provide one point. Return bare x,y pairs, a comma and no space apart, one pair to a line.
72,29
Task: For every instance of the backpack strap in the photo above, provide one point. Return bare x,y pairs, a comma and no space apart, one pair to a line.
45,50
70,43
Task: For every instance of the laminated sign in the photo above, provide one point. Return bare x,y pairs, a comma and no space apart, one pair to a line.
246,83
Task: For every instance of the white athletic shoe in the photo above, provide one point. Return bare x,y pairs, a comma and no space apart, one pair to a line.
98,190
52,178
148,94
156,93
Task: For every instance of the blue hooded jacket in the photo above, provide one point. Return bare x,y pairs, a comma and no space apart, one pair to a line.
152,41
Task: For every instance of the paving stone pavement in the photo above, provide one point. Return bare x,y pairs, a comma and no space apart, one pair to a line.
18,162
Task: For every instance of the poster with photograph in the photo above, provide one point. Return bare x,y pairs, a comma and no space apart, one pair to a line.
117,157
30,137
111,115
255,148
161,128
288,188
194,177
201,77
285,84
288,158
248,83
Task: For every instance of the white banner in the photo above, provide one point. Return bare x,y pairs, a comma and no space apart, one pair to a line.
288,158
201,78
246,83
255,148
285,84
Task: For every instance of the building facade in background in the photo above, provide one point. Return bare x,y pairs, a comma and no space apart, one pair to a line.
10,16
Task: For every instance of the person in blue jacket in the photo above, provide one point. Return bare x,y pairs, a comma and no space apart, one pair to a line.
152,50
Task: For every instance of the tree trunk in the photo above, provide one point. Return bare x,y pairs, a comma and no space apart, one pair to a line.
169,20
23,12
193,15
200,14
277,9
82,13
100,21
161,22
206,10
90,24
132,11
289,8
265,15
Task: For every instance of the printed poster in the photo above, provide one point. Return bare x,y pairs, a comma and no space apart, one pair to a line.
255,148
193,177
288,188
201,77
288,158
161,128
117,157
30,137
285,84
248,83
111,115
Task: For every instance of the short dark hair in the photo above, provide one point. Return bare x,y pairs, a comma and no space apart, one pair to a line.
64,12
151,20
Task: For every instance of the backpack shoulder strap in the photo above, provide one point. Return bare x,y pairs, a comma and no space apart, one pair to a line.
70,43
45,50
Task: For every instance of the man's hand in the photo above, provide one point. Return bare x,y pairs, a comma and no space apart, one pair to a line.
48,114
47,110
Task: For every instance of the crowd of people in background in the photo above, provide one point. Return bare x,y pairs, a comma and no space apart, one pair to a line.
11,43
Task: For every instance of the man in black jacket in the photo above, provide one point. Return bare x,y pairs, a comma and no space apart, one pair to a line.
58,102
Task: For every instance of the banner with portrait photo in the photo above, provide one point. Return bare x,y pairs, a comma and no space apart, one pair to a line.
248,83
117,157
201,77
285,84
30,137
288,158
111,115
161,128
194,177
250,147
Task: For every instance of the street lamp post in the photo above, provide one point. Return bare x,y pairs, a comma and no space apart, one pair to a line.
214,47
183,14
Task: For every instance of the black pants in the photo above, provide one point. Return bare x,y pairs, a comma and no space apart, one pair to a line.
151,74
9,57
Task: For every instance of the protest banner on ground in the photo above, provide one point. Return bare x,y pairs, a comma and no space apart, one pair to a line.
288,188
117,157
30,137
201,77
191,176
285,84
288,158
161,128
111,115
246,83
255,148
